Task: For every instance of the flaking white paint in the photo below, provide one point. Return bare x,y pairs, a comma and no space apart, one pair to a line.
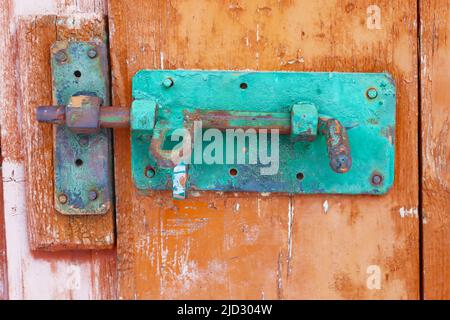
35,7
30,277
325,206
407,213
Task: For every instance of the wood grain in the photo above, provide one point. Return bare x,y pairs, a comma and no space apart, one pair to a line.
435,115
3,262
268,246
27,32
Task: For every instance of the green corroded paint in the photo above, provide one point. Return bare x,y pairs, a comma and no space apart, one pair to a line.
304,121
370,124
82,162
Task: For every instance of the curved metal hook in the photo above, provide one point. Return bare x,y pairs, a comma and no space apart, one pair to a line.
337,143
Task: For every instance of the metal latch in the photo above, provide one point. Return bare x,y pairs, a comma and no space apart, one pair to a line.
336,130
82,151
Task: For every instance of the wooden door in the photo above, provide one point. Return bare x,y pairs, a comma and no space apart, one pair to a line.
229,245
269,246
435,151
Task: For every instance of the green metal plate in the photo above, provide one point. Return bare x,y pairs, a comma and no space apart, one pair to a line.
82,162
368,116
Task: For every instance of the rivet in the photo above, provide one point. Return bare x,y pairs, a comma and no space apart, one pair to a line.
62,198
377,179
61,56
372,93
167,82
92,53
92,195
84,141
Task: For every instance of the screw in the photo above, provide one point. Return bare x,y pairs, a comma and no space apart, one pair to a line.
167,82
92,195
84,141
61,56
62,198
92,53
372,93
377,179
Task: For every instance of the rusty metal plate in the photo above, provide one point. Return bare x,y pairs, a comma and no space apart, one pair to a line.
364,103
82,162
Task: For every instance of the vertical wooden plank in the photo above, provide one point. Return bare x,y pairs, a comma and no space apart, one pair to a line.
26,80
48,229
435,115
259,245
3,263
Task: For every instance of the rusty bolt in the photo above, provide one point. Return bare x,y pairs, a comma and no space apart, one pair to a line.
61,56
92,53
62,198
372,93
167,82
92,195
377,179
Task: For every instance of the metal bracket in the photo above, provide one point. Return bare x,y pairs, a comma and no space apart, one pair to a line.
338,129
82,151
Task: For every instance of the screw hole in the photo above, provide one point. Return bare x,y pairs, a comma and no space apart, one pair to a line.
300,176
243,86
233,172
77,73
150,172
78,162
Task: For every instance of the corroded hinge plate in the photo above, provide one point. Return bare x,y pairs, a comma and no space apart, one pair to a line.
82,162
364,103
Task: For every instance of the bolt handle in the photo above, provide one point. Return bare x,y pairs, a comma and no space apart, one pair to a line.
337,144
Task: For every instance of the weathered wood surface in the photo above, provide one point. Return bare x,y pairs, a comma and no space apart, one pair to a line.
49,229
28,28
3,271
435,114
269,246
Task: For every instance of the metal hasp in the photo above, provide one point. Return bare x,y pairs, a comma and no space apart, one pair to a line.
337,131
82,150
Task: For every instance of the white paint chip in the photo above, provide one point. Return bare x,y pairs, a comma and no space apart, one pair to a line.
161,57
35,7
30,277
373,277
325,206
409,213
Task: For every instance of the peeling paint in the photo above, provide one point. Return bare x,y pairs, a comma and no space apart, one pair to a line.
161,57
33,7
28,276
373,277
290,234
325,206
407,213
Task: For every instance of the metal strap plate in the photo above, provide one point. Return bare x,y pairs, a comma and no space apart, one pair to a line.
83,177
364,103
